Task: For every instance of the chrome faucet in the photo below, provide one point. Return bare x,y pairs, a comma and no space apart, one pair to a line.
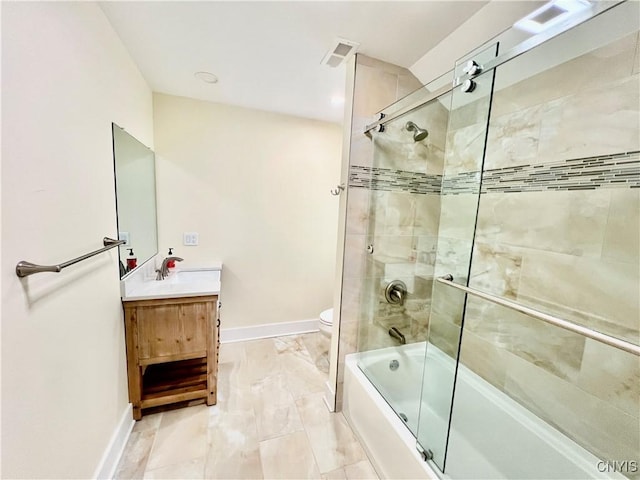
163,271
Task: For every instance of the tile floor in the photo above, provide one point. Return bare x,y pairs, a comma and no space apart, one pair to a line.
270,422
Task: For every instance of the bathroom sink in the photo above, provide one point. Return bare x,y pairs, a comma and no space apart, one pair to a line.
194,275
190,282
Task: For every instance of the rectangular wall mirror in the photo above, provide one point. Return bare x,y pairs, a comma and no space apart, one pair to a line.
135,178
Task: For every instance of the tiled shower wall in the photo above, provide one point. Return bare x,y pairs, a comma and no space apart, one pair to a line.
557,229
405,182
377,84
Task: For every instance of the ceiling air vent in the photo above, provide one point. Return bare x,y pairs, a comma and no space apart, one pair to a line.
339,52
551,14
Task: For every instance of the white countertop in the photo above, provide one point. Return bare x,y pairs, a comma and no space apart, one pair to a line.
181,282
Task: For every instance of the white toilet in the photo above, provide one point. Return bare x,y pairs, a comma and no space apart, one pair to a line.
326,322
323,341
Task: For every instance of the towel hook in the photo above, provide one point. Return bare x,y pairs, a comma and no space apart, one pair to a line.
336,191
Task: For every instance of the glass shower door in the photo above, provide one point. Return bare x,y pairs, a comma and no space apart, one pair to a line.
557,231
404,208
465,147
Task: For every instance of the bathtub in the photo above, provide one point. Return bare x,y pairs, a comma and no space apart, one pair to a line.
491,435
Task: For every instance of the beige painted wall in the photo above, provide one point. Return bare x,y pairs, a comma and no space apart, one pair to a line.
65,78
255,186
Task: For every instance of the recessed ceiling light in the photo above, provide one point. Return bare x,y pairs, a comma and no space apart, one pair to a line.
206,77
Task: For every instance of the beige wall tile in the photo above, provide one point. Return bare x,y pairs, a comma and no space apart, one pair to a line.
636,61
596,287
398,247
571,222
513,138
361,148
464,150
548,347
598,121
452,257
377,85
484,358
400,211
466,111
496,269
612,375
608,63
396,149
375,88
358,215
444,335
407,83
622,234
606,431
426,246
427,215
458,216
354,256
351,294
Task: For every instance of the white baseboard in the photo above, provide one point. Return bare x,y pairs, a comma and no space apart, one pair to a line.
111,456
240,334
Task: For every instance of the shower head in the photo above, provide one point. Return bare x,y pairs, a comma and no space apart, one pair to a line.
420,133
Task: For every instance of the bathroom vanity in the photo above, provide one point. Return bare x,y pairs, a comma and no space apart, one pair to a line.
172,337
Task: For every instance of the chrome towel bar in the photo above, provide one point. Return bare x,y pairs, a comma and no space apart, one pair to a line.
24,269
545,317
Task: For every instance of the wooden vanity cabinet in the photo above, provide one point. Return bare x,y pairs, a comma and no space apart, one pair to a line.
172,350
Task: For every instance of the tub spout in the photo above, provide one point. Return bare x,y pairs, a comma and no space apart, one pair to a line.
398,335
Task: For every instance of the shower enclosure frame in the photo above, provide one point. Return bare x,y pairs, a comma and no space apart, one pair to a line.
490,67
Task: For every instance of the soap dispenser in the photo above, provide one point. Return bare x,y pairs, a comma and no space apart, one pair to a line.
132,261
171,263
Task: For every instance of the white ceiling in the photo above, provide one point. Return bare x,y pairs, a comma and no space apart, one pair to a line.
268,55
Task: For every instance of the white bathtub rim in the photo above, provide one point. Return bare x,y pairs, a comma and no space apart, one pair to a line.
572,451
399,429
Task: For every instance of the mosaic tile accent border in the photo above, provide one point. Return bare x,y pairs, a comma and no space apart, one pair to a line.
620,170
391,180
465,182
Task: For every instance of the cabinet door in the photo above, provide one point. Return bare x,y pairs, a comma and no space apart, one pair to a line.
172,332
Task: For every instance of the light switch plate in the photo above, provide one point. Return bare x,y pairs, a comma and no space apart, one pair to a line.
190,238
